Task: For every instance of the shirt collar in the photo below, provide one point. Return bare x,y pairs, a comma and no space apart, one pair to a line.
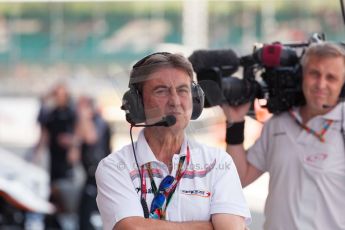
335,114
145,154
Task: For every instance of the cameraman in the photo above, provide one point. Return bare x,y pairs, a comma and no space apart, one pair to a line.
301,149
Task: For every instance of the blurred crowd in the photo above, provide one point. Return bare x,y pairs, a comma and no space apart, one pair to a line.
76,136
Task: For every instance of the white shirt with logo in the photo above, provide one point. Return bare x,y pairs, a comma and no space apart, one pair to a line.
210,185
307,176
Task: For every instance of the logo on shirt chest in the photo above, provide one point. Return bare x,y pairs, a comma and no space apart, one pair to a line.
316,159
196,192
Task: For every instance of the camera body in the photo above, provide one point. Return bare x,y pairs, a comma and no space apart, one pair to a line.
272,72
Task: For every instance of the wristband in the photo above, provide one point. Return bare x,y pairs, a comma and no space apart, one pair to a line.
235,133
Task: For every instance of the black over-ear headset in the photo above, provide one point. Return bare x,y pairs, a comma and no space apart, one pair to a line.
132,101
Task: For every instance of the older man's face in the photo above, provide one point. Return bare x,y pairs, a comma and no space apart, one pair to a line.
168,92
323,79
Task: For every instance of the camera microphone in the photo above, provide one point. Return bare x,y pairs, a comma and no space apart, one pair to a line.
224,60
166,121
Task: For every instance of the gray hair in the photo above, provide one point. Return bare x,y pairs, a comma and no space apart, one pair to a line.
323,50
151,63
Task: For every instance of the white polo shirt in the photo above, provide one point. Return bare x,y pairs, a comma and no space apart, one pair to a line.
210,185
307,177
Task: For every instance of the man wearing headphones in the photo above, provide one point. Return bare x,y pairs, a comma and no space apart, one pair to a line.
301,149
165,180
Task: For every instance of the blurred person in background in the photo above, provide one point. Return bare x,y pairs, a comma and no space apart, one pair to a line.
94,138
301,149
165,180
46,105
35,221
58,134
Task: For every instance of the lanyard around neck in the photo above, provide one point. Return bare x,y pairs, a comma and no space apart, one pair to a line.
319,135
168,192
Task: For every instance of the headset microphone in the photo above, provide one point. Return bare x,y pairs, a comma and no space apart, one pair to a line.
167,121
341,99
326,106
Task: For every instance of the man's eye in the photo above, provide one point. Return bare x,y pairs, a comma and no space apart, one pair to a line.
183,91
315,73
162,92
331,78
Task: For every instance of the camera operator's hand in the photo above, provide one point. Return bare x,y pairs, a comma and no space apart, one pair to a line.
236,113
261,114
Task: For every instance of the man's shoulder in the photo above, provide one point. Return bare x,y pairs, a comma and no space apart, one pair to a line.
277,119
280,116
121,155
117,163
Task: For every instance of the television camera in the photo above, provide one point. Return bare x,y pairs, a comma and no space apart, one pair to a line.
272,72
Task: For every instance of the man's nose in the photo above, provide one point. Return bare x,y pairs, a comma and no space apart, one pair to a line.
174,98
322,82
